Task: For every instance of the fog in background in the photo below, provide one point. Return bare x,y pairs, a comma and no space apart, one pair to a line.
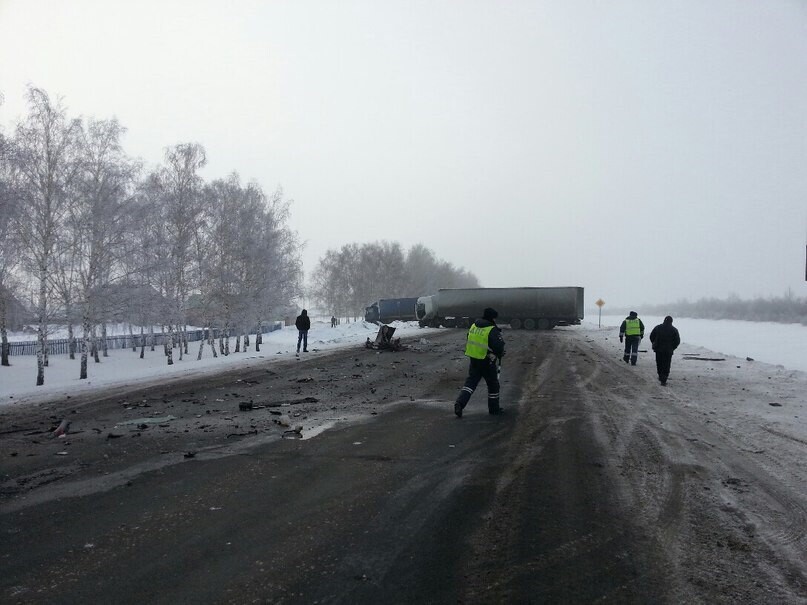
648,151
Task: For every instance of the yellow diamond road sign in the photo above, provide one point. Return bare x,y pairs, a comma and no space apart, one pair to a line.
600,302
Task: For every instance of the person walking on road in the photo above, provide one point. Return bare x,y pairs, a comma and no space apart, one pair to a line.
485,348
632,332
303,324
665,339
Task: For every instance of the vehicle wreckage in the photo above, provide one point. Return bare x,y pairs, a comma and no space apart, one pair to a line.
384,340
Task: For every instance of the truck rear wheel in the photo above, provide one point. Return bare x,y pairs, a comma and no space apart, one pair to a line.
529,324
544,324
515,323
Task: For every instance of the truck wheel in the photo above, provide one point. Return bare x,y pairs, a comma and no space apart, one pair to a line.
515,323
544,324
529,324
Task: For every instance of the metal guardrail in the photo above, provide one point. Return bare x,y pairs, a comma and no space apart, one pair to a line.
61,346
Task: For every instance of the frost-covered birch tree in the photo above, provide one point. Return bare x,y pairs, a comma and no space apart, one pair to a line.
277,275
9,206
45,155
182,210
98,219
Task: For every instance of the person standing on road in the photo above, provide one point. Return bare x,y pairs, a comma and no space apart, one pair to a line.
303,324
632,332
485,348
665,339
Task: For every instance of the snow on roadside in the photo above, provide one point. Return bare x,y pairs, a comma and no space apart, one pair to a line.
761,401
125,368
767,342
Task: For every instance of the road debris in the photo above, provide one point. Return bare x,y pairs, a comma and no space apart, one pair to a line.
384,340
138,421
61,429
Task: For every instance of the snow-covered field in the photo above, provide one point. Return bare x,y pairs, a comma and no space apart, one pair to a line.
778,344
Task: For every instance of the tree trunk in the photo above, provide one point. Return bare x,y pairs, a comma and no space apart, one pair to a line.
95,345
246,341
202,342
142,343
40,334
201,349
71,338
258,336
104,342
237,343
227,339
185,337
4,346
213,343
170,345
85,348
132,338
151,335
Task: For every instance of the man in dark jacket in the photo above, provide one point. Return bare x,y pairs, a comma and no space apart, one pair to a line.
665,340
632,331
303,324
485,348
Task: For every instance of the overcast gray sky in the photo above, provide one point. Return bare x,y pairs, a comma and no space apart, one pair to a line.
646,150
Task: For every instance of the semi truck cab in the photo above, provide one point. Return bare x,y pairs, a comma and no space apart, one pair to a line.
425,309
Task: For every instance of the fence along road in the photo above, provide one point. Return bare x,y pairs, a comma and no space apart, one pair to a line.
61,346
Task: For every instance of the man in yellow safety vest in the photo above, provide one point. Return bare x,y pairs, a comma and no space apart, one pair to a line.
485,348
632,331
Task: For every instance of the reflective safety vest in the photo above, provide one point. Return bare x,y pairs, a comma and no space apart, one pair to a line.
477,345
632,327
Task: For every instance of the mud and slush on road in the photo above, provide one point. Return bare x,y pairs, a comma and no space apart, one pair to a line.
346,478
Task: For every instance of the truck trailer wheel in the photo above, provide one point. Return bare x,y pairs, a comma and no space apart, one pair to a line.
515,323
544,324
529,324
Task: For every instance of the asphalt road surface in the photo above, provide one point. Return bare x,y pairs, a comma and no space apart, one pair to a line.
594,486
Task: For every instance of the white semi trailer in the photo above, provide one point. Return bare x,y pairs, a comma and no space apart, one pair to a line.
528,308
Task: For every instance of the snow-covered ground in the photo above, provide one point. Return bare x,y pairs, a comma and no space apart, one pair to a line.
18,382
778,344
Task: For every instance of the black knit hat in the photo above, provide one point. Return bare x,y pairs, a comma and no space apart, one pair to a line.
489,314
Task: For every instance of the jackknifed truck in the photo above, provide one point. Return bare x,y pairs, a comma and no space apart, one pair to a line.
529,308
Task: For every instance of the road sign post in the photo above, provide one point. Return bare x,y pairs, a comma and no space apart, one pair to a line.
600,302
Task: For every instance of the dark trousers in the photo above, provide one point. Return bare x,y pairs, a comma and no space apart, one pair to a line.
302,337
632,348
663,363
477,370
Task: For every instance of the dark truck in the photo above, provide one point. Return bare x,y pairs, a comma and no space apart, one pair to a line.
528,308
387,310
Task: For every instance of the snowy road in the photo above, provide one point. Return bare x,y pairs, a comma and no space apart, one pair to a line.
599,484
